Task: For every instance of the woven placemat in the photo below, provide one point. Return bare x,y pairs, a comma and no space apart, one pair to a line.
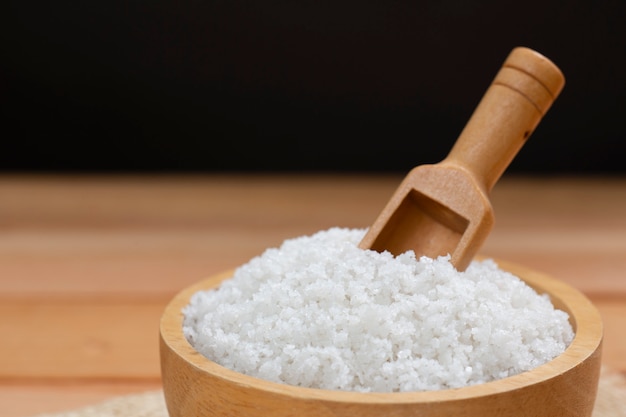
611,402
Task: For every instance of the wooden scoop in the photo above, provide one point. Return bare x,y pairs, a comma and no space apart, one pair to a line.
443,208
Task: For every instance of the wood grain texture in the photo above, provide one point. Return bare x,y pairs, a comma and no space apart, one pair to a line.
82,256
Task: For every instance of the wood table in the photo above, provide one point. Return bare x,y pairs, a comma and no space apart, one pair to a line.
87,263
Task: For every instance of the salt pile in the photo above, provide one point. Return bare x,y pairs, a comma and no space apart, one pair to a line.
319,312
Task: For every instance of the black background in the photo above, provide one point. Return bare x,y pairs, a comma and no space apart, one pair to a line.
341,86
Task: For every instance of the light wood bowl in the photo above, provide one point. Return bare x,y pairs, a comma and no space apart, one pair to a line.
566,386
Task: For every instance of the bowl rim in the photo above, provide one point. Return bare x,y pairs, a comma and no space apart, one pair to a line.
584,317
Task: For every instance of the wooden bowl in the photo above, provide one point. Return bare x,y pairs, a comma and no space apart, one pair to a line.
566,386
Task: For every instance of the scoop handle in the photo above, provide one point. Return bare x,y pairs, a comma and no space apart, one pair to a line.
519,96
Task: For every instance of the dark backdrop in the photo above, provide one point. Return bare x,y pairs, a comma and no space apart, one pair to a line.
327,85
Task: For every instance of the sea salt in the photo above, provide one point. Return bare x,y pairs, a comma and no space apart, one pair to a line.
319,312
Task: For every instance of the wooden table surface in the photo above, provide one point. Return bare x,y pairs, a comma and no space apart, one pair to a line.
87,263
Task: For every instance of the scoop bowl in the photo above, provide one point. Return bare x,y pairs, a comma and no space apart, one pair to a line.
566,386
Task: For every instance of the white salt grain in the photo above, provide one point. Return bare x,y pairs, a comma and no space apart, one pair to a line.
319,312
